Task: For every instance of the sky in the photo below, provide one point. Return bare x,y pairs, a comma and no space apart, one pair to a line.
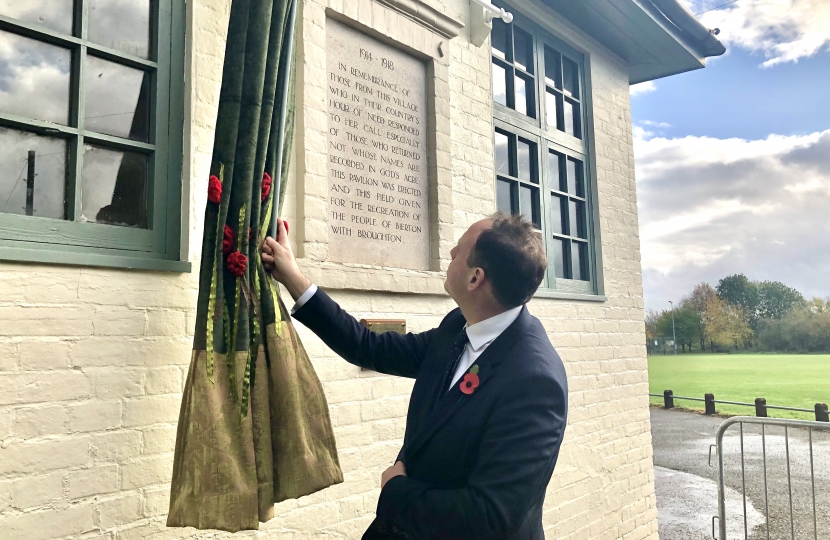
733,161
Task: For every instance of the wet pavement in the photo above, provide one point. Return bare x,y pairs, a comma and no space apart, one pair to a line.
687,490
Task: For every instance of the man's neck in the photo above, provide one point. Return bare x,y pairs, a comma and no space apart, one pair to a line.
476,314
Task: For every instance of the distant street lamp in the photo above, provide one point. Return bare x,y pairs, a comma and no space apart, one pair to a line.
673,332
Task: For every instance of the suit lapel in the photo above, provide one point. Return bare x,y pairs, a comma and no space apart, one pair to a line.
451,401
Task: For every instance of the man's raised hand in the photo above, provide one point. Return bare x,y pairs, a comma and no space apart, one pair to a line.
279,261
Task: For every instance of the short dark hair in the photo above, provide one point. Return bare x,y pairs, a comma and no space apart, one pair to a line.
512,255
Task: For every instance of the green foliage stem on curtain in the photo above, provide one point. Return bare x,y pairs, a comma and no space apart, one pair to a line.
254,426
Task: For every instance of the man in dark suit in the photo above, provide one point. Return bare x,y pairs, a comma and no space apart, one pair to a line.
488,409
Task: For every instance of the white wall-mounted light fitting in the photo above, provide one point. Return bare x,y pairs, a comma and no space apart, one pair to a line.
482,14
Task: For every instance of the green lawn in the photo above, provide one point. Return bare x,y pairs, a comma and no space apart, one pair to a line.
783,379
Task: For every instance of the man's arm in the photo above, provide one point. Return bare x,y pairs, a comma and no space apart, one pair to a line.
518,452
390,353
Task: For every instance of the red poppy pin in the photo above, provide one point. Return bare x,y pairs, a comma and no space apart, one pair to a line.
470,381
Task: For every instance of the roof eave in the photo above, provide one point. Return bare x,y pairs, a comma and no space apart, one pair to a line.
683,25
657,38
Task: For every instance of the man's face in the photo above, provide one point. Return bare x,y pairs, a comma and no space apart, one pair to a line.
458,273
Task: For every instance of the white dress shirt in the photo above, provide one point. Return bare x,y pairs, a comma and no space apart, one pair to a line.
480,334
304,298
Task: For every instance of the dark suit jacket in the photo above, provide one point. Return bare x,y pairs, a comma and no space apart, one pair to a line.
477,465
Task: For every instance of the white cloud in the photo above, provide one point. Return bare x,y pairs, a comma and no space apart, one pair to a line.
642,88
642,133
34,78
652,123
781,30
712,207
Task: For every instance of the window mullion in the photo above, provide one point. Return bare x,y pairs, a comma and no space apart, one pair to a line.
541,184
76,145
541,91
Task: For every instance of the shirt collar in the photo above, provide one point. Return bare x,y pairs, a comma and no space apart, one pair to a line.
483,332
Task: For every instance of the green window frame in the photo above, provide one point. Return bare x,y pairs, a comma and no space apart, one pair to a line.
121,186
542,137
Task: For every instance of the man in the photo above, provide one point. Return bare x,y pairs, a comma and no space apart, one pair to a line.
488,408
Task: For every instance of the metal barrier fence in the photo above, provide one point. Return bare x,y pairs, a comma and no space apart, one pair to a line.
810,426
761,407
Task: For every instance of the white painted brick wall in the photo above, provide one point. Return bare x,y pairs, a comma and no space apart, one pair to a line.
92,361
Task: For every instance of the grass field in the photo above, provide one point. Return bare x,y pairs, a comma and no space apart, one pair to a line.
786,380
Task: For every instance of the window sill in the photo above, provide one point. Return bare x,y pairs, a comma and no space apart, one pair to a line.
562,295
24,255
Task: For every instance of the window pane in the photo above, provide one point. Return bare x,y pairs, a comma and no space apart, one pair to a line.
556,215
552,74
34,79
570,120
498,39
503,154
43,193
54,14
529,204
504,197
499,84
576,213
574,181
114,188
579,260
559,257
570,78
552,109
523,50
553,171
117,99
121,24
525,161
521,95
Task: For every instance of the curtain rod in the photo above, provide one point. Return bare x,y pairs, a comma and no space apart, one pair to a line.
493,11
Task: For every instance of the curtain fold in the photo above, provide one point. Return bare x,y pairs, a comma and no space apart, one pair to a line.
254,426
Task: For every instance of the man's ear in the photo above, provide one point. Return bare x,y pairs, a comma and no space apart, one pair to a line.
477,279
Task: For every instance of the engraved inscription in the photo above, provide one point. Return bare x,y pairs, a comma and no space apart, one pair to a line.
377,156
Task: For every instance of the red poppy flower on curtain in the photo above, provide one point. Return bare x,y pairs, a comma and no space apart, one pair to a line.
214,189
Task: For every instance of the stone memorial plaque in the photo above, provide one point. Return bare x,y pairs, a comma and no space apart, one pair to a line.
377,155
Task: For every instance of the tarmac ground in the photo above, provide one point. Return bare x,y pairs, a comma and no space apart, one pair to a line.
687,486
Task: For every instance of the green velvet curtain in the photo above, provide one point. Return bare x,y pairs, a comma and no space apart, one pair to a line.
254,425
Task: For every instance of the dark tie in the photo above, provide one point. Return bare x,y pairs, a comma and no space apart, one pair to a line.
457,351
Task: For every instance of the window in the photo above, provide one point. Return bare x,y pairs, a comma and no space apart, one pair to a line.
541,151
90,131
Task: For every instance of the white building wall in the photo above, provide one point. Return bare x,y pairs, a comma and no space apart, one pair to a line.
92,361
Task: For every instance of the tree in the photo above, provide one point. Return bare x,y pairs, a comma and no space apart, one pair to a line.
697,303
739,291
801,329
685,325
652,317
776,300
726,324
818,305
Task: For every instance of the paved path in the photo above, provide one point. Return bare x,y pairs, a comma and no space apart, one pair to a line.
687,492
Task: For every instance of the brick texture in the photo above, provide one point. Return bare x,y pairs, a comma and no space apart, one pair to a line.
92,362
